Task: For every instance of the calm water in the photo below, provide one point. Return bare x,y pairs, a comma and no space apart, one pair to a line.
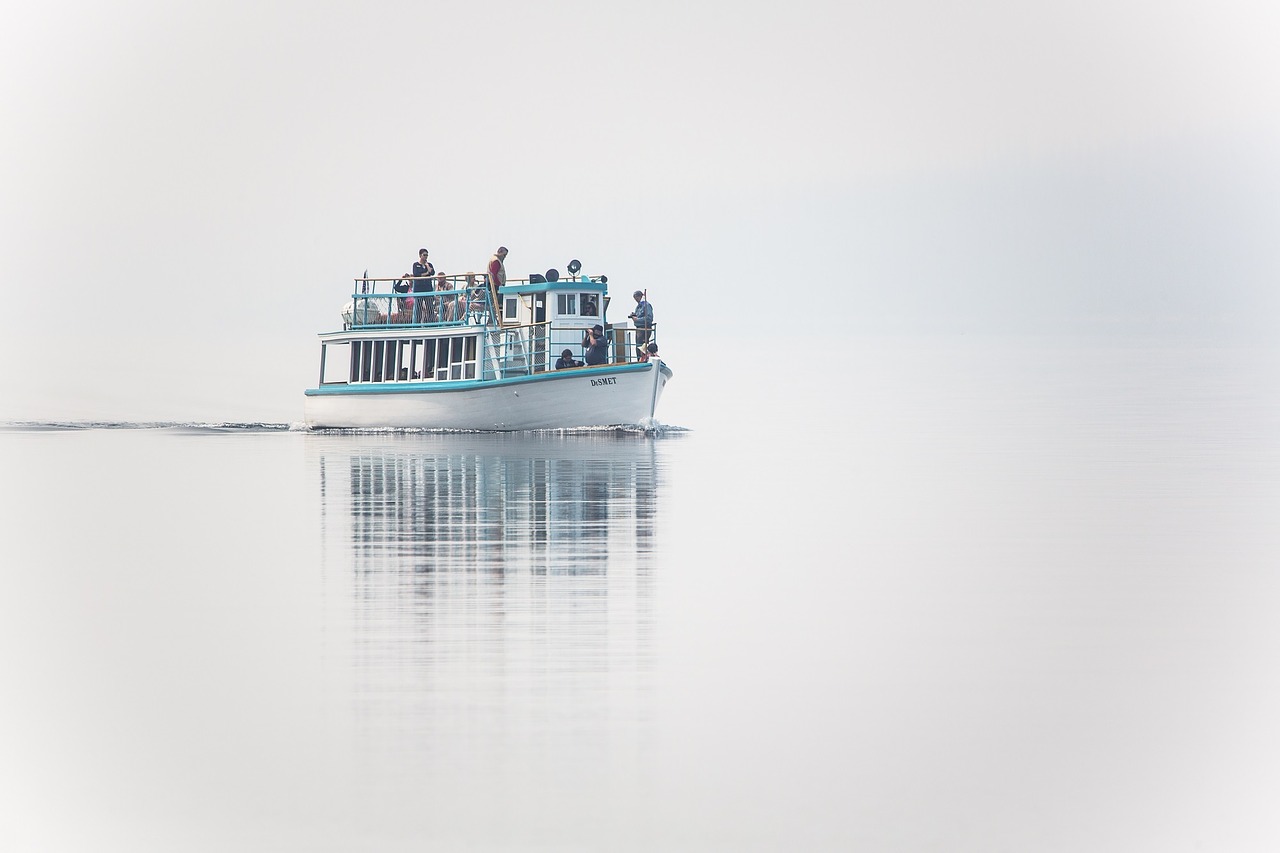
955,597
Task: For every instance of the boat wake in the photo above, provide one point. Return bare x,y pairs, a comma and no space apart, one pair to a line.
177,426
644,429
647,427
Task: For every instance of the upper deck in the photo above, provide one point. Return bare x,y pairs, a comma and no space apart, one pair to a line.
469,300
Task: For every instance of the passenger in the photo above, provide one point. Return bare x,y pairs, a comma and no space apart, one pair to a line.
566,360
594,344
422,272
497,274
475,296
651,351
643,317
404,304
446,302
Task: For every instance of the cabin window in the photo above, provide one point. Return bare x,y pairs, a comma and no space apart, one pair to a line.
428,360
469,358
335,360
361,353
566,303
590,305
402,360
384,361
455,358
389,362
511,308
404,353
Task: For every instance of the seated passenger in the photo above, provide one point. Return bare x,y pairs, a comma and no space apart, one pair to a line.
446,302
594,344
648,352
566,360
469,290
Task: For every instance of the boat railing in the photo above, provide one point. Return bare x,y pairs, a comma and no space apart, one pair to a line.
516,351
452,300
523,350
625,342
622,342
564,283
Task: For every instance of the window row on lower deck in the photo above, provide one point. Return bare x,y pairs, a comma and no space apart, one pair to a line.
400,360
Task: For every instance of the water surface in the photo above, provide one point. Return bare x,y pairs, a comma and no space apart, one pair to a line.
956,596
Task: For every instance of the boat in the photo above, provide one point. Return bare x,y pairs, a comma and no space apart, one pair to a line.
466,355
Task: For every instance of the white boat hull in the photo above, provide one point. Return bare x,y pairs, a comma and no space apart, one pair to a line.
583,397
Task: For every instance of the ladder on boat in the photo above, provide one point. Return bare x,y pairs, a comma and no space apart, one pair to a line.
508,353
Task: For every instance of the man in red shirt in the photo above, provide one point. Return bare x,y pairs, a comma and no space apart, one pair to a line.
497,276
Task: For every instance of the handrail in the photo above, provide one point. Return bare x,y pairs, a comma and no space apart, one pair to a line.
561,282
620,341
516,350
468,302
369,286
628,345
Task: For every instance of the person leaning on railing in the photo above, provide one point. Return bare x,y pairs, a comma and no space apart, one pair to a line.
497,273
643,317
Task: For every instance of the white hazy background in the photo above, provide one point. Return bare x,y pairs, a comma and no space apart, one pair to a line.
996,573
186,190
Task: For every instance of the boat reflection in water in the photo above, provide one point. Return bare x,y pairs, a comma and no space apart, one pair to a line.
550,504
493,591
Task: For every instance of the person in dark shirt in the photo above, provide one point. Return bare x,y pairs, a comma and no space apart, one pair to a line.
424,308
566,360
594,344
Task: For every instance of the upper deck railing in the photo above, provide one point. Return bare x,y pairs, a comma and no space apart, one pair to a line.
433,301
441,300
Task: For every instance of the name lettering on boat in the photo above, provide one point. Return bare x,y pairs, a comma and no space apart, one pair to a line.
608,380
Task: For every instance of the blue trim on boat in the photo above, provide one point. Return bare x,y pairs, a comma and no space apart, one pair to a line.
442,385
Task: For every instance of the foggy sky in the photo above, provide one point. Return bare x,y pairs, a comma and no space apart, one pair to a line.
189,190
